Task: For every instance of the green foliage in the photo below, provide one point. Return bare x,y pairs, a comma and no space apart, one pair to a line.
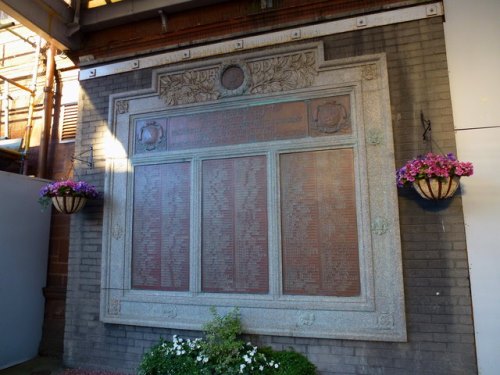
221,339
167,358
221,353
291,362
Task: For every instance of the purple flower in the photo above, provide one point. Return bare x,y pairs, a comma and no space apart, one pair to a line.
432,166
69,188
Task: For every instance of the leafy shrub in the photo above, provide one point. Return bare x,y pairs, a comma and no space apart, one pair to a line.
221,342
291,363
221,353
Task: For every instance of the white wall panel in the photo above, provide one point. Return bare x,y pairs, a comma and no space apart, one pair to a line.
24,241
481,202
472,31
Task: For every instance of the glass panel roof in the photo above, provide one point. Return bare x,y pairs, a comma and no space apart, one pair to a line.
99,3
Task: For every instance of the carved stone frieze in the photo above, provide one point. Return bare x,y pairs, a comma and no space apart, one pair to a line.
192,86
276,74
283,73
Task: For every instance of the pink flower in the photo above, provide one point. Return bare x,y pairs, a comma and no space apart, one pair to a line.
432,166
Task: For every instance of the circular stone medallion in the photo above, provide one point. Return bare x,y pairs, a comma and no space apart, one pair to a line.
232,77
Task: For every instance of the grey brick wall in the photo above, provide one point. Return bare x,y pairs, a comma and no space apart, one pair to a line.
438,303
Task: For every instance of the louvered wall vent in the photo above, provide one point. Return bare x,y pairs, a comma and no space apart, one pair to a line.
69,121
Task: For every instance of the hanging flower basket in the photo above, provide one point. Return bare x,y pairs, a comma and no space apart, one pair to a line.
433,176
67,196
436,188
68,205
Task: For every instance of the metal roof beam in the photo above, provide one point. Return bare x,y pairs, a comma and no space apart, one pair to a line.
48,18
134,10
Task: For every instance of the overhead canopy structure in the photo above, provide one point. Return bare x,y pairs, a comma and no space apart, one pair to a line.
63,21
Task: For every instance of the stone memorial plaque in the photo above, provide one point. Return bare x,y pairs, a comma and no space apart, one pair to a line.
271,189
319,229
160,239
234,225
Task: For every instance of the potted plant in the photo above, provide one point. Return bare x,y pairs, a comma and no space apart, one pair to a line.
67,196
433,176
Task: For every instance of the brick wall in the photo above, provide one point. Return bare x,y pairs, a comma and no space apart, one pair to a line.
438,303
59,162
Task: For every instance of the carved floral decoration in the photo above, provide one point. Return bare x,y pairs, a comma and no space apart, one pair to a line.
283,73
192,86
277,74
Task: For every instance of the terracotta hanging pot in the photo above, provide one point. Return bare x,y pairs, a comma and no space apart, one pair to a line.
69,205
437,188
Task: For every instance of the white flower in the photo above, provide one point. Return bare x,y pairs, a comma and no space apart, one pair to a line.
261,368
242,366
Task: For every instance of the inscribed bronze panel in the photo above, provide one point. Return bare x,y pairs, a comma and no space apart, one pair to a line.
234,225
238,126
160,238
319,225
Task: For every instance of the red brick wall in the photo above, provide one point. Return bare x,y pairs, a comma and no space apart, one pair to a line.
229,19
59,160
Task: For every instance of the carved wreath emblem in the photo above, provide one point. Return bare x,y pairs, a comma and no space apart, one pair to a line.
151,135
330,117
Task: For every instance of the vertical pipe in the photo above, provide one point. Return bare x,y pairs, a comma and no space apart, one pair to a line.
5,109
48,105
31,108
56,120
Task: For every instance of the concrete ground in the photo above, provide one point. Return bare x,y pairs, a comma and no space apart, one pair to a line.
49,366
36,366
